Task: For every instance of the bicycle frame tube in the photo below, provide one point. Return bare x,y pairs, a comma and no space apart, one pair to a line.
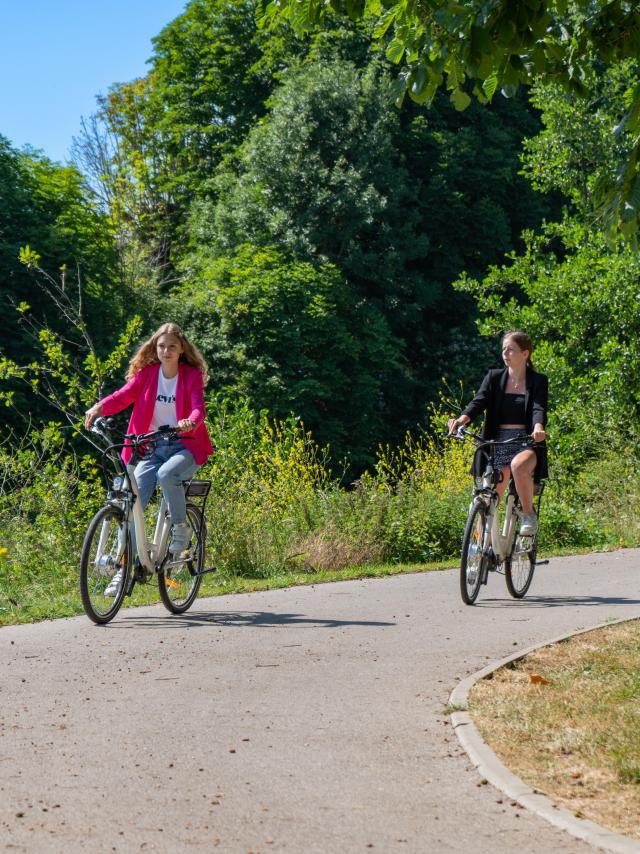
100,561
148,552
161,534
501,539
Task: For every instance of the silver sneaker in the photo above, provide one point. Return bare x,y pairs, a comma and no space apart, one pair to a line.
113,587
528,525
181,538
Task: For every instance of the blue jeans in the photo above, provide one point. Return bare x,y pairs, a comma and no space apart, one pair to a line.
169,465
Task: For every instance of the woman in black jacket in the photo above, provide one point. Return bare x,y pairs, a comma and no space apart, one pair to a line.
514,399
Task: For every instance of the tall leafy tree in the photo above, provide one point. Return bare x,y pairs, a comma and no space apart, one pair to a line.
293,337
49,208
578,297
576,153
472,48
575,290
155,141
322,180
400,203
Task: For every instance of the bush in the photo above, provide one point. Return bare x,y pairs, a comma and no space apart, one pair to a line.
47,497
274,508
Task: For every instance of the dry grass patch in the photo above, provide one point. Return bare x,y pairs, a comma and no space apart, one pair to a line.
567,720
321,551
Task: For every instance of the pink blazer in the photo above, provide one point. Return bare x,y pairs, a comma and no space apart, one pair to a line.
141,392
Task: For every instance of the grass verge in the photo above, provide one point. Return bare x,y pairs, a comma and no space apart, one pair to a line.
53,591
40,601
566,719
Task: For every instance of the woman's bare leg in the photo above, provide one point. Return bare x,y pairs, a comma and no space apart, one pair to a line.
523,466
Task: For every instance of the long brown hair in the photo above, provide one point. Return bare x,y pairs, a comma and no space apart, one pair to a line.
523,341
147,352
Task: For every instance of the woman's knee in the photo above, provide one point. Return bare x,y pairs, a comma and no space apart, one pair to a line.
168,474
523,464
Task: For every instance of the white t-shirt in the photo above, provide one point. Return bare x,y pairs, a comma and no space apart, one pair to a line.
164,411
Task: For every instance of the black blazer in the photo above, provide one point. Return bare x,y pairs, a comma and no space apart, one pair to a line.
489,398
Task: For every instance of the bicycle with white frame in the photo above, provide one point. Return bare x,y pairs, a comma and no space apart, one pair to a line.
492,542
107,547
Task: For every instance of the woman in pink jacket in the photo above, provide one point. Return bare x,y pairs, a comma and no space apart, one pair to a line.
166,380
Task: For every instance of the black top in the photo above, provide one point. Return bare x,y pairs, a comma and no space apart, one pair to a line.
512,409
489,399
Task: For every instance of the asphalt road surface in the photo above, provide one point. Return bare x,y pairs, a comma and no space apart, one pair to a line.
301,720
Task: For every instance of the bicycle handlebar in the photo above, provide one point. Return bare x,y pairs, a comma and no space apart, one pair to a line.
103,426
462,434
164,432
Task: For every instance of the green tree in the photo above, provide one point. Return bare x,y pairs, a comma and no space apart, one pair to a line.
322,178
578,297
472,48
292,336
400,203
574,290
154,143
49,207
576,152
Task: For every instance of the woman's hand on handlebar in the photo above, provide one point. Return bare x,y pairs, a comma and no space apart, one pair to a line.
454,423
539,434
185,425
91,415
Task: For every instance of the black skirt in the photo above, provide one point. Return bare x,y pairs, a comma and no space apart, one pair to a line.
506,453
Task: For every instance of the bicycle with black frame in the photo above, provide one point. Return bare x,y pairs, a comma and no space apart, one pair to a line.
107,547
491,542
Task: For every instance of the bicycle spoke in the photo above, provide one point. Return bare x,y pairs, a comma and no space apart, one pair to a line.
179,581
473,563
105,559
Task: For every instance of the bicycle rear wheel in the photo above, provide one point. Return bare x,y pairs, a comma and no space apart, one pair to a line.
473,563
520,564
179,581
105,552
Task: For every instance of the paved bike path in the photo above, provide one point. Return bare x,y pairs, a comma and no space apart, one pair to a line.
300,720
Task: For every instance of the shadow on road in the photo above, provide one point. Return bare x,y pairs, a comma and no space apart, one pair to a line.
556,601
257,619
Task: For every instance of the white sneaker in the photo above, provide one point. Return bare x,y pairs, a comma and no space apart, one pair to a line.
113,587
181,537
528,525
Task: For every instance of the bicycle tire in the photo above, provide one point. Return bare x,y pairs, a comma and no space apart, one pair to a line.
473,563
101,557
179,586
519,566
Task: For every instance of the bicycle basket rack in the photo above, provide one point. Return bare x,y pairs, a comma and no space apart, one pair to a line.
197,488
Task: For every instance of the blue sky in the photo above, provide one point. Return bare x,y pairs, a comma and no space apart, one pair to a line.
55,57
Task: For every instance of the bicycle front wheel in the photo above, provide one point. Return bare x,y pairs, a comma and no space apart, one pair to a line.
473,563
105,564
520,564
179,581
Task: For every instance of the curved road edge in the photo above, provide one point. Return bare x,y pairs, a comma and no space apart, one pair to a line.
500,777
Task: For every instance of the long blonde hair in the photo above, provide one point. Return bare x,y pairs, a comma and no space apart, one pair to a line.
147,352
